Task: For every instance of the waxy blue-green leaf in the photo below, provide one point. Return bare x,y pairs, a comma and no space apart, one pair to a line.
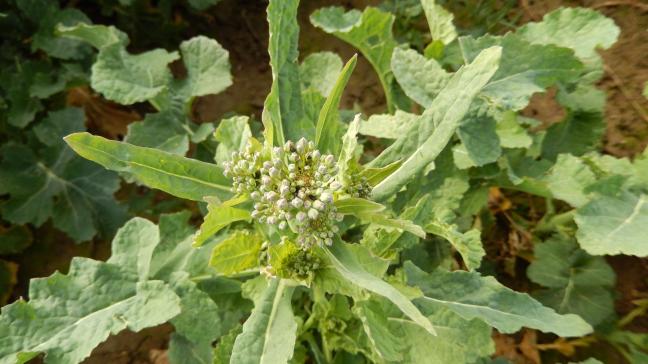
179,176
525,68
576,282
347,163
422,79
326,130
319,71
472,296
238,252
370,32
468,244
459,340
388,126
437,125
283,106
376,325
348,266
610,225
269,333
479,137
127,78
579,133
208,67
98,36
233,135
55,183
569,178
163,131
440,22
583,30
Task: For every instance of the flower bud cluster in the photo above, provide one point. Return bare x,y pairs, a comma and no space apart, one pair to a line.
300,265
243,168
293,188
358,186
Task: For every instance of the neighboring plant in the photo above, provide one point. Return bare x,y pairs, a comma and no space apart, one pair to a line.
330,259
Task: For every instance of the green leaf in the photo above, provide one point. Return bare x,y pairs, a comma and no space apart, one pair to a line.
422,79
376,325
479,136
283,106
468,244
459,340
580,132
128,79
319,71
15,239
179,176
219,216
347,163
162,131
569,178
232,135
375,175
236,253
45,38
328,122
370,32
473,296
208,67
437,124
525,68
346,263
356,205
98,36
269,333
583,30
384,220
614,225
388,126
223,350
440,22
202,5
577,282
54,183
181,350
511,133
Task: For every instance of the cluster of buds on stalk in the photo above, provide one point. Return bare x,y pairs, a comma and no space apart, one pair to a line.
292,189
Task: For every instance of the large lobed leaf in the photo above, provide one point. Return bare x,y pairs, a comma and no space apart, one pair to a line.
371,32
576,282
52,182
141,285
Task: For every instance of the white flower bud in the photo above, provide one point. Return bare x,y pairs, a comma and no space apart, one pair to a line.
326,197
313,214
319,205
282,204
274,172
301,216
297,202
266,180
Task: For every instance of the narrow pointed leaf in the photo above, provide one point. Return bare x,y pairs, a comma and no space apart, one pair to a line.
176,175
326,131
